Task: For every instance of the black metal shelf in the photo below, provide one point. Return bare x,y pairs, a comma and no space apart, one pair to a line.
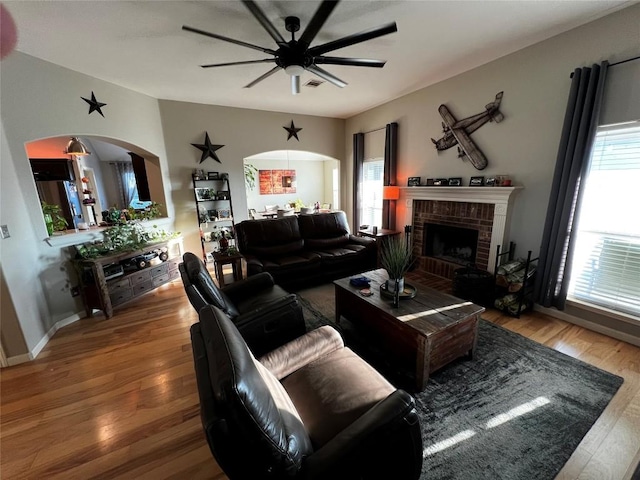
523,299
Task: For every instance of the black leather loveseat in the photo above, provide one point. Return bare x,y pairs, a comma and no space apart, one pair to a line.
304,249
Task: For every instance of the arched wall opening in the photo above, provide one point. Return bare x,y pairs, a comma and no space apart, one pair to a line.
313,178
83,202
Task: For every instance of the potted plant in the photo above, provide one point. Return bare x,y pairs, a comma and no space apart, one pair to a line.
53,218
250,173
396,258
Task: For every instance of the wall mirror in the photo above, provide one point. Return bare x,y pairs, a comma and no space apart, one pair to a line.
113,175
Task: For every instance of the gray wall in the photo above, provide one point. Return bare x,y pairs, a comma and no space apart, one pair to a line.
243,133
41,100
536,83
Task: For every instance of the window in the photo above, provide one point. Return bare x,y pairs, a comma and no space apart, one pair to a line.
127,187
371,192
606,265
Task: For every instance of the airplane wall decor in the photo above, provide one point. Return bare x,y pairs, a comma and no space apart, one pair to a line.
458,131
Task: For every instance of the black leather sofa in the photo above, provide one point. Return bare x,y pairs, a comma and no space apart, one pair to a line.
304,249
266,315
310,409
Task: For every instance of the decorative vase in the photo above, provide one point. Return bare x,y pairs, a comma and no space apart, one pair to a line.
224,244
391,285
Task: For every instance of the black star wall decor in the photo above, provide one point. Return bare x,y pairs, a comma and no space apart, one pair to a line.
94,105
293,131
208,150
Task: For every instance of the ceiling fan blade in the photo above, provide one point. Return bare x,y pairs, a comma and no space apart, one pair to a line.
352,62
353,39
317,21
227,39
264,21
326,75
247,62
262,77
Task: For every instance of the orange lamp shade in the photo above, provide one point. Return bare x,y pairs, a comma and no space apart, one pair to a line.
390,192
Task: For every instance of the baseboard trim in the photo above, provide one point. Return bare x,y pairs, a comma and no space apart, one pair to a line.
596,327
18,359
27,357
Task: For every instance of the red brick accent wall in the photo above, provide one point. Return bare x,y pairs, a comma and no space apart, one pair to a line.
477,216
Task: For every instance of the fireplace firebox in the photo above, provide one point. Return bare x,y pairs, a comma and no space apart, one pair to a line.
451,244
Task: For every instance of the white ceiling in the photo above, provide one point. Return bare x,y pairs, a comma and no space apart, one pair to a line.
140,45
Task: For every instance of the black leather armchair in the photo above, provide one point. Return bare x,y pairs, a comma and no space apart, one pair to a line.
311,409
266,315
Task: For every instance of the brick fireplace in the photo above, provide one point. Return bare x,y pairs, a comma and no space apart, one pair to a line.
484,209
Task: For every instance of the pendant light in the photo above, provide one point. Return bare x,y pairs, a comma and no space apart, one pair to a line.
76,147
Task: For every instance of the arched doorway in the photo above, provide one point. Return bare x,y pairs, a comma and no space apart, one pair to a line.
291,177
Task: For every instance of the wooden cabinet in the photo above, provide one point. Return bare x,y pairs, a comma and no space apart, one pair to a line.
214,210
111,280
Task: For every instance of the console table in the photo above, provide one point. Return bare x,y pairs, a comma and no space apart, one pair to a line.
101,291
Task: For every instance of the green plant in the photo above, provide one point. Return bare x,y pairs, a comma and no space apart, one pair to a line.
396,257
298,204
53,218
124,237
250,173
149,213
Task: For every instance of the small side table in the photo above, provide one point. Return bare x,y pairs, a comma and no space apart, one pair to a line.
220,259
380,235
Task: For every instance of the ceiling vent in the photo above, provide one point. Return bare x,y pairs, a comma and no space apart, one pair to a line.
313,83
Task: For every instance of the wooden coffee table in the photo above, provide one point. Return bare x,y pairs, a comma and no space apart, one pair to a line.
431,329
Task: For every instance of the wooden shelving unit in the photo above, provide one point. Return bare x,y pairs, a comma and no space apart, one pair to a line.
214,210
111,280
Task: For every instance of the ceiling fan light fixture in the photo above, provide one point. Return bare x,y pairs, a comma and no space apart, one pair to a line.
294,70
295,85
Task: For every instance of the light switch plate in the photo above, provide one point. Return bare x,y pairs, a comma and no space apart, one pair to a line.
4,231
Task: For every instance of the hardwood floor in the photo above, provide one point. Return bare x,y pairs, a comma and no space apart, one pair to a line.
117,398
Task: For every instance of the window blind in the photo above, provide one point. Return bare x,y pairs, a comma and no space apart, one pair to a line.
606,265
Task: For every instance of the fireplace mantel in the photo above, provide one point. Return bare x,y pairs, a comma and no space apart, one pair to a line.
501,197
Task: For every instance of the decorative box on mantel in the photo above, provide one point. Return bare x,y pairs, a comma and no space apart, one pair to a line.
484,208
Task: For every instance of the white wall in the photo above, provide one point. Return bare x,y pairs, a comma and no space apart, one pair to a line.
41,100
536,83
310,181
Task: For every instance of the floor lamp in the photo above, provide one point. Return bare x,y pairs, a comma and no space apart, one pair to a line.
390,193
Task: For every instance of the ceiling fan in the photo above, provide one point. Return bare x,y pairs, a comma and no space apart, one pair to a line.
296,56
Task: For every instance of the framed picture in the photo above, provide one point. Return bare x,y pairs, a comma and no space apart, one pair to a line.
430,182
476,181
212,176
455,181
223,195
224,213
212,214
205,194
440,182
413,182
490,182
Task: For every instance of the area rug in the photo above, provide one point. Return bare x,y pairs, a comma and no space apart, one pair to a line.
517,411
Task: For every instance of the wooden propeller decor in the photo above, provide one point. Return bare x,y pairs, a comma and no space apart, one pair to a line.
297,55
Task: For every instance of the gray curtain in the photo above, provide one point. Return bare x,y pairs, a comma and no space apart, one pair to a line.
358,159
578,132
390,167
126,181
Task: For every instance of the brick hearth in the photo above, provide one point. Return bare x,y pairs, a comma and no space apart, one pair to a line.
476,216
486,209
